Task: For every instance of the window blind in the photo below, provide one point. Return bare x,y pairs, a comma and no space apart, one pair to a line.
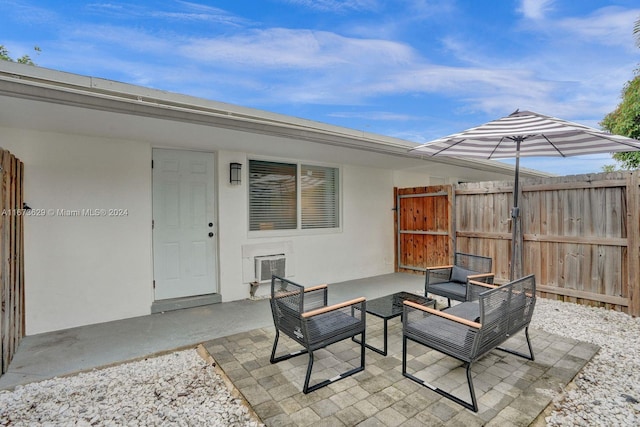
319,193
272,196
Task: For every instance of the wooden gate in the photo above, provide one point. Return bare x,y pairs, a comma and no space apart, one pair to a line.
11,256
424,227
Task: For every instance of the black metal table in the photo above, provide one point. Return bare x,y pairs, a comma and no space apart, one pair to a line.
390,306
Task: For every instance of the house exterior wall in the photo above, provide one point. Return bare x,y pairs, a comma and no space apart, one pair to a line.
84,267
363,247
410,179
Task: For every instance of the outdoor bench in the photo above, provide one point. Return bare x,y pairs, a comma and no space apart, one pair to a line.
304,316
452,281
470,330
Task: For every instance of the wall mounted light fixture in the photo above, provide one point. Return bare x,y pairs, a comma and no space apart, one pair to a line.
235,173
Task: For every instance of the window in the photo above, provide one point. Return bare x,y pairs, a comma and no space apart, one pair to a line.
289,196
272,196
319,197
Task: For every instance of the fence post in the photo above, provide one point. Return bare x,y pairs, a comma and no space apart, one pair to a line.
633,242
451,200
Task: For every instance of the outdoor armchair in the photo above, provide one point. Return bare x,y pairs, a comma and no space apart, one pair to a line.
303,315
452,281
470,330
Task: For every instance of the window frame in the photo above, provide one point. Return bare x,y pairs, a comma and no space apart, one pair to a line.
298,231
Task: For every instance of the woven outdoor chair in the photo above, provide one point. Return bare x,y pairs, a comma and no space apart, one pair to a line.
470,330
303,315
452,281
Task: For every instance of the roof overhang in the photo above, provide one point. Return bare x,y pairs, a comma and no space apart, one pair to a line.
48,100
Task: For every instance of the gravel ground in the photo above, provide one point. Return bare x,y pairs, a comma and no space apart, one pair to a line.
175,389
182,389
607,390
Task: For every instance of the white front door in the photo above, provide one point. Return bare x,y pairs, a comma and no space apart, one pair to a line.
184,227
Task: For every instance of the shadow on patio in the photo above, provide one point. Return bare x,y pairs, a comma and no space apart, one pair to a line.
510,389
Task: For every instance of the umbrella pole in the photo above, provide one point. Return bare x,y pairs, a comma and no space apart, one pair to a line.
516,244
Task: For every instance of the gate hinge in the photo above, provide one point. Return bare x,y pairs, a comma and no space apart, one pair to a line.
151,164
154,284
153,224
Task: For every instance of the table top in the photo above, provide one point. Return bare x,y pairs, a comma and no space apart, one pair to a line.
390,306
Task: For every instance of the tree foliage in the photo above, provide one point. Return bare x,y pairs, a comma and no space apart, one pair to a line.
625,119
24,59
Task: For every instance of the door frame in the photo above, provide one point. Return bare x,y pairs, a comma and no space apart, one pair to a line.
197,300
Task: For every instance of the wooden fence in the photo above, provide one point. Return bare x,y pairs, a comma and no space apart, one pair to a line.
11,256
581,234
424,227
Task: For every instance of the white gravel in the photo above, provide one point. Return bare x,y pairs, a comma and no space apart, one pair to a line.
607,390
182,389
175,389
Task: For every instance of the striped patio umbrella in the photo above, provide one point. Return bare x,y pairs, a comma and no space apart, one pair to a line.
525,133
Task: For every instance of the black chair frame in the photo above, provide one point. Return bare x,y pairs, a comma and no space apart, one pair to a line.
468,331
443,280
303,315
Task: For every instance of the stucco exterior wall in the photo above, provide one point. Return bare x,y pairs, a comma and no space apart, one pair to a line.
83,266
83,263
363,247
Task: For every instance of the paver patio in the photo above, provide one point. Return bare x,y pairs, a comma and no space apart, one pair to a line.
511,391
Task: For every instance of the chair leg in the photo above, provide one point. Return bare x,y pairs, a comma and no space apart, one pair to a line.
529,356
275,359
473,405
362,346
448,302
308,389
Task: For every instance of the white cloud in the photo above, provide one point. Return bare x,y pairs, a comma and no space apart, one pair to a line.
337,5
535,9
204,13
179,11
562,75
300,49
606,26
27,13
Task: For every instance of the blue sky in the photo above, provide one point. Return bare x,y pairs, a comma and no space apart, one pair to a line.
413,69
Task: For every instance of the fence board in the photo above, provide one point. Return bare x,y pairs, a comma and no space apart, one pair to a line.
11,257
633,253
581,233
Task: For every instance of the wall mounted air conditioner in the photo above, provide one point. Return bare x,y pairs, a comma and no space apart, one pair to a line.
268,265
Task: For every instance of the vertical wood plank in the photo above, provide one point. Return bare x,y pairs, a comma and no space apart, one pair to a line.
6,255
12,297
20,319
11,257
3,270
396,214
633,242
